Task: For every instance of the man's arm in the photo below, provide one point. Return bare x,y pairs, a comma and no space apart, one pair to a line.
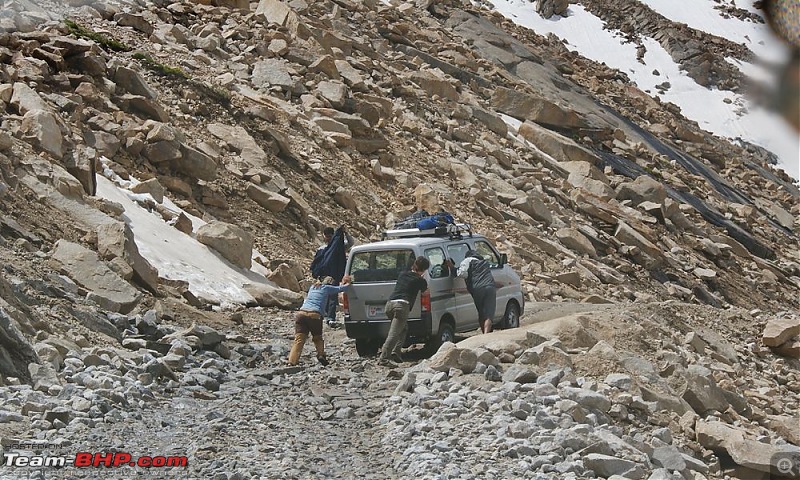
463,269
349,241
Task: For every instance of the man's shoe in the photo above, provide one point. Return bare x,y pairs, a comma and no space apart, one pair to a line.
384,362
396,358
323,360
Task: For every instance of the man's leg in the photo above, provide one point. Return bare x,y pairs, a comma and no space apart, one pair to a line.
391,310
319,343
402,318
300,335
330,307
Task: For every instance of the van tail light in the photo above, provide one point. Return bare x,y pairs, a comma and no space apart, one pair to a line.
425,301
345,304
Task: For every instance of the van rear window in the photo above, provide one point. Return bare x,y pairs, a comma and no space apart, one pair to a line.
380,266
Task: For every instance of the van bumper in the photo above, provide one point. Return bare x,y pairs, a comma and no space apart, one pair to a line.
418,328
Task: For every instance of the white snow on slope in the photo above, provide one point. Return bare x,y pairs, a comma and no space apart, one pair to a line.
584,33
701,15
178,256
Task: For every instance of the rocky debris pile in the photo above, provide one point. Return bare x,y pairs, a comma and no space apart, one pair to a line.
325,105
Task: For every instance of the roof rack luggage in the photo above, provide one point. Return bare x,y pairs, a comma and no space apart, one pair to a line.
452,230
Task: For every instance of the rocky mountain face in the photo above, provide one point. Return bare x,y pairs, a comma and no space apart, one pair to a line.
271,120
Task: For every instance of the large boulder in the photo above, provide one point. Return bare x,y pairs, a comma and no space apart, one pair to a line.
449,356
780,330
284,277
702,391
643,189
40,128
115,240
15,350
535,109
561,148
106,288
269,296
233,243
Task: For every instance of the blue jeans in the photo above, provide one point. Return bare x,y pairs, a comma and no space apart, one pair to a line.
331,305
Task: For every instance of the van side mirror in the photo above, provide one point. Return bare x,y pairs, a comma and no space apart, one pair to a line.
503,259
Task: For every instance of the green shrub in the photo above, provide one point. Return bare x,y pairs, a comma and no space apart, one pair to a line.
102,40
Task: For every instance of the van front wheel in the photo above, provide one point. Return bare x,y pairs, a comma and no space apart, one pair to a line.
511,317
367,347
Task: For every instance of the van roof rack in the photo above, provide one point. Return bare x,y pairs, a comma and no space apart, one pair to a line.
451,230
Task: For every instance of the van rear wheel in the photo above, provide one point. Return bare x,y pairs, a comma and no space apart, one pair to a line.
367,347
511,317
446,334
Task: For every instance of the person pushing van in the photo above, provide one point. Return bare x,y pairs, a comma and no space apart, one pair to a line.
309,318
409,283
480,284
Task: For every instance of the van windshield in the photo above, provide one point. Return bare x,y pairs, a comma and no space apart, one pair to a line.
381,265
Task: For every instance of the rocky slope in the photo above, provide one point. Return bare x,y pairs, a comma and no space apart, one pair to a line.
271,120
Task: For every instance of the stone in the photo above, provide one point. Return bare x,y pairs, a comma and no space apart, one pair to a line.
273,11
132,82
606,466
25,99
195,164
343,197
533,205
576,241
520,374
629,236
434,85
137,22
350,75
233,243
780,330
333,91
105,287
151,187
272,72
449,356
272,201
587,398
702,391
269,296
668,457
720,437
115,240
534,109
234,4
41,128
643,189
561,148
619,380
284,277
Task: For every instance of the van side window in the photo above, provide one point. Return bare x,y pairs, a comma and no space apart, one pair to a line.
487,252
436,257
457,251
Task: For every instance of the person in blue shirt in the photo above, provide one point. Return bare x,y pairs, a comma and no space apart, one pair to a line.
309,318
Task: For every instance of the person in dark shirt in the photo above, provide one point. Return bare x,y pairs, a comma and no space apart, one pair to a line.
480,284
409,284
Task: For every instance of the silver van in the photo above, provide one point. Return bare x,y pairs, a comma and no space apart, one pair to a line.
437,316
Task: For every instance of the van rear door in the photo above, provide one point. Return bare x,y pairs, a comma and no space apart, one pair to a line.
374,274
